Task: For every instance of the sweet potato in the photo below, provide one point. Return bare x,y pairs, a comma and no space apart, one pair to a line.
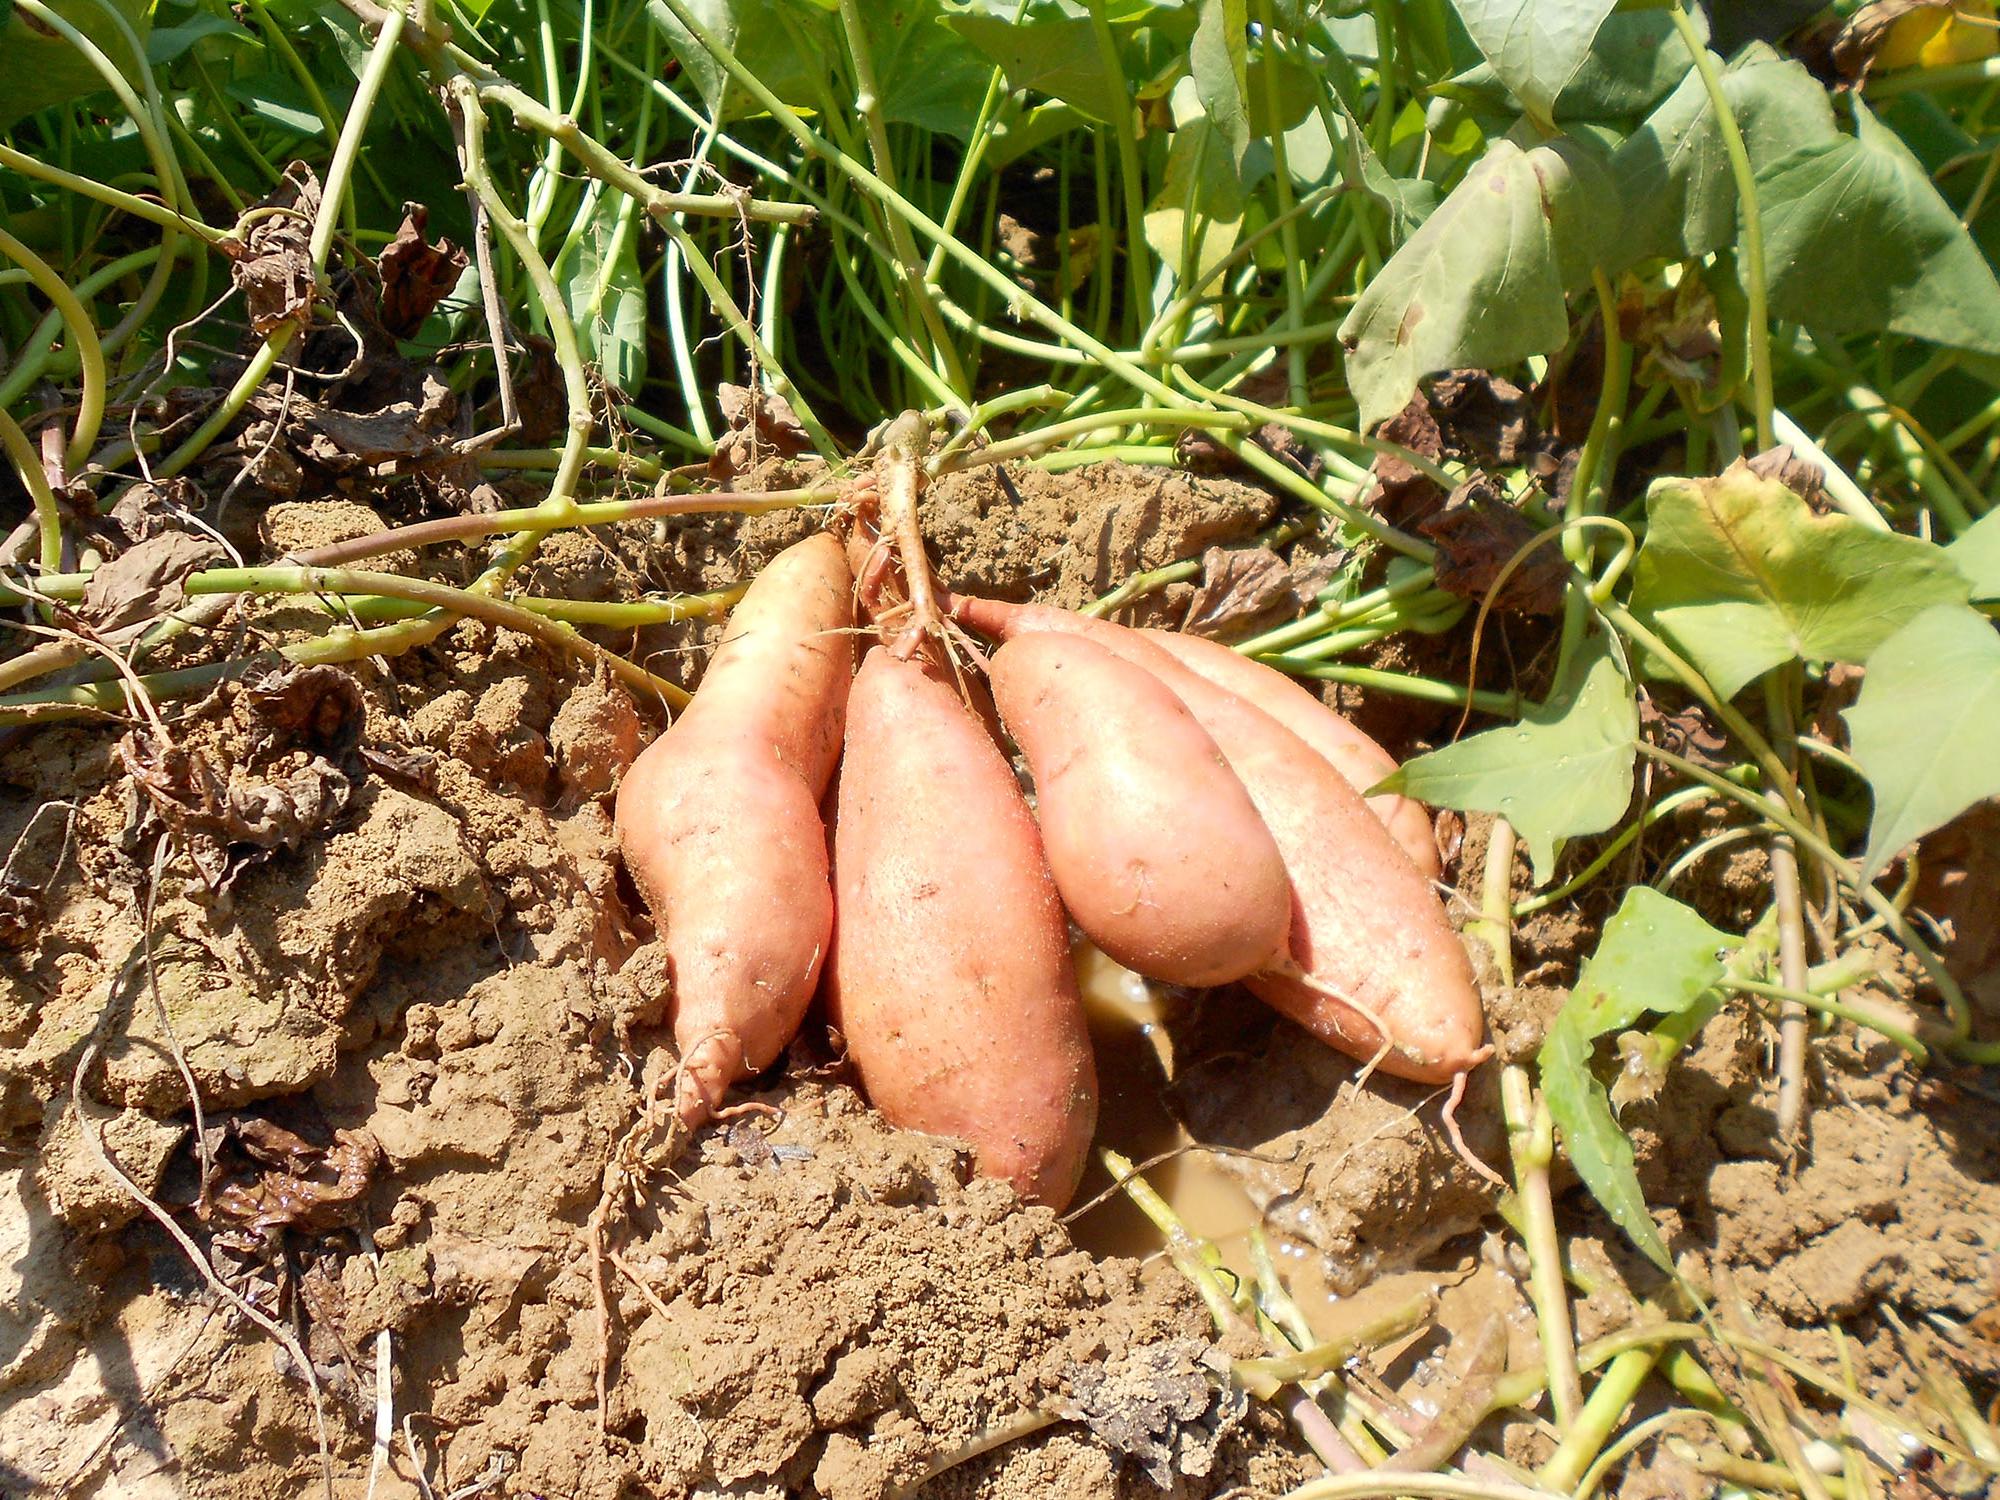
1155,846
951,978
719,823
1352,753
1371,959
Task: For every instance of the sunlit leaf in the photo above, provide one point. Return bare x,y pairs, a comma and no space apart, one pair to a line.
1859,240
1482,282
1536,46
1673,173
1218,59
1564,770
1637,59
784,43
606,293
1926,726
1977,555
1197,217
1739,576
1654,955
1050,49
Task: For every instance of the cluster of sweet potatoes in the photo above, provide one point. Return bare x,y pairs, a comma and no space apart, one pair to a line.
1200,817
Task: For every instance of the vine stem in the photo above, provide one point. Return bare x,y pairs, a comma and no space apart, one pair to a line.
909,266
1531,1140
1599,449
1599,1418
471,115
1753,224
1011,294
347,150
28,468
1793,1018
466,602
1138,272
1958,1008
83,342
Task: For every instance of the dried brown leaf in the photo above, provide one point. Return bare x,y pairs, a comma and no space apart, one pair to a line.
1801,476
1404,494
226,824
1236,583
761,426
319,707
1478,534
273,262
276,1180
138,586
1484,418
416,275
1867,31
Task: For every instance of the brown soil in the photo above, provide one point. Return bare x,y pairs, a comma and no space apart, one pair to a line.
433,963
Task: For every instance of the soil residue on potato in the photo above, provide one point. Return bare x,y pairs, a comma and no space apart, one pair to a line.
411,946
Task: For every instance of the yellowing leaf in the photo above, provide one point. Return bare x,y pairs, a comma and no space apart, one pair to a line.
1740,576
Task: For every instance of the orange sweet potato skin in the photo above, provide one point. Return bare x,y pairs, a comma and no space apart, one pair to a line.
950,977
719,824
1156,848
1352,753
1372,959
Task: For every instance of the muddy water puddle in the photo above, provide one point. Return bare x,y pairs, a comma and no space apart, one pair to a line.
1135,1065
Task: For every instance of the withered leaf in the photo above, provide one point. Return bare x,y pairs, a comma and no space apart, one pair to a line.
1478,534
414,766
1484,418
416,275
146,509
1236,583
761,426
401,436
1688,732
1404,494
138,586
319,706
1862,39
1801,476
277,1180
227,824
273,262
20,913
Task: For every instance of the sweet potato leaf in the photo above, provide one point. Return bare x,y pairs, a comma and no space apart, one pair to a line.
39,68
1673,174
1636,60
1565,769
1535,46
1739,575
1482,282
1219,60
1654,955
1977,555
607,294
1925,726
784,42
1859,240
1049,47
